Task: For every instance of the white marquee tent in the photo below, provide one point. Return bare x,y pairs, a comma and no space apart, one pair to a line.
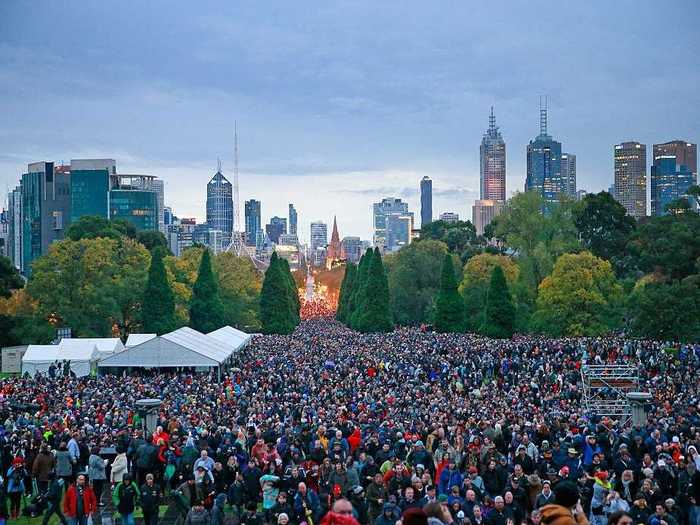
137,339
38,358
184,347
106,346
232,337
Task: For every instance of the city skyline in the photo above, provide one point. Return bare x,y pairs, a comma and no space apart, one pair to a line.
322,124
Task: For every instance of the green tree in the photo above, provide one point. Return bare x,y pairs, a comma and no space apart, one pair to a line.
449,315
345,291
357,297
666,311
158,307
10,279
292,292
239,286
153,239
603,225
414,281
459,236
95,226
94,286
580,298
669,245
500,312
206,308
275,304
375,315
21,322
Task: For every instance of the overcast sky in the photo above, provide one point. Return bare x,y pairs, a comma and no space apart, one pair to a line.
339,103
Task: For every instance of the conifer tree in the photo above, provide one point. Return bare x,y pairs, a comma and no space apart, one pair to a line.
206,308
158,306
276,305
293,294
449,316
345,291
357,298
375,314
500,312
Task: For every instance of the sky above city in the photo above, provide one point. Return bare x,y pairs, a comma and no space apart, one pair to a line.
339,103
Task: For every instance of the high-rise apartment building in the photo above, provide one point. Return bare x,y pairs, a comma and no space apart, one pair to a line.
319,240
483,212
568,174
253,223
276,227
631,177
352,249
493,163
15,227
544,174
292,220
159,188
220,206
90,185
673,172
426,201
134,198
381,210
399,228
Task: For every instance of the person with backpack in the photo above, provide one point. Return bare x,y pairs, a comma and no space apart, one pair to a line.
53,499
15,486
125,499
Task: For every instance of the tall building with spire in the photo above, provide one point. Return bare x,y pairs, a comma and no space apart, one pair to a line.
544,163
335,249
220,206
493,163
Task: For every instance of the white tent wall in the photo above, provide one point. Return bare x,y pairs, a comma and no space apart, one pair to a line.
158,353
38,358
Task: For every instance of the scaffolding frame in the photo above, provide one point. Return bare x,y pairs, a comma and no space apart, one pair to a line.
605,389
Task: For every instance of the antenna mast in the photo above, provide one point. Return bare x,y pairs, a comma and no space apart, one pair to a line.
236,194
543,115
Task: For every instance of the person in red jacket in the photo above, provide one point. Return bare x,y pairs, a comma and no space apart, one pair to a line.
80,502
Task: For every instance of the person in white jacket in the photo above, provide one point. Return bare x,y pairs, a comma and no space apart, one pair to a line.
119,468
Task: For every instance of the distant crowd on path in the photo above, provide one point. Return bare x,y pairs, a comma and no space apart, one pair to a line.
328,426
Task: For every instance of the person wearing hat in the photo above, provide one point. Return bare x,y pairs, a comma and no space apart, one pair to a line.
388,516
566,508
125,497
15,485
546,496
419,455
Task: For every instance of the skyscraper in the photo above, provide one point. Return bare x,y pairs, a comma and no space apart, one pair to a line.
631,177
318,242
352,249
276,227
334,252
292,220
544,163
134,198
159,188
673,172
483,212
90,185
493,163
253,223
568,174
426,201
14,207
220,206
382,210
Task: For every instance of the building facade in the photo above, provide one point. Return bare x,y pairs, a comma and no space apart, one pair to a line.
544,174
134,199
492,154
399,229
381,211
292,220
90,185
253,223
220,206
276,227
426,201
483,212
673,172
630,187
319,236
352,249
568,174
449,217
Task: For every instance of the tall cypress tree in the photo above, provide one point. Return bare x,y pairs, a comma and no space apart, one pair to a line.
158,307
375,314
449,315
276,308
206,308
345,291
293,293
500,312
357,298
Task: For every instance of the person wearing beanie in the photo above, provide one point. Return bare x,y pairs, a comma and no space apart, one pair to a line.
566,509
414,516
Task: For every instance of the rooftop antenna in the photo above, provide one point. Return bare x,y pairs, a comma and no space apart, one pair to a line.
492,120
218,165
543,115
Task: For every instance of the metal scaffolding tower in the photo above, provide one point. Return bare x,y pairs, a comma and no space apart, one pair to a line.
605,389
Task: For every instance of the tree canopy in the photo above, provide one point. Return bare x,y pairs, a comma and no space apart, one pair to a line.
278,313
206,308
500,313
449,315
373,312
158,307
95,226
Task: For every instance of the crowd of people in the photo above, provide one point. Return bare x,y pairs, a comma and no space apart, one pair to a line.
331,426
